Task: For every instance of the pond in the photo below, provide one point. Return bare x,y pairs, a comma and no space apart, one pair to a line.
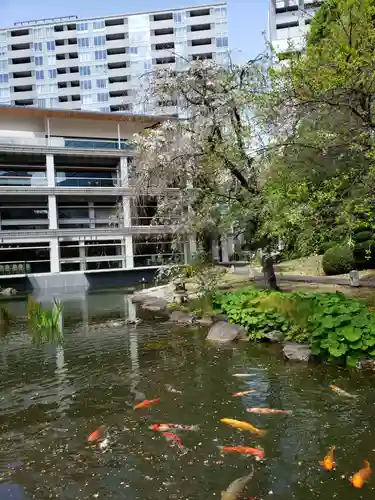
52,397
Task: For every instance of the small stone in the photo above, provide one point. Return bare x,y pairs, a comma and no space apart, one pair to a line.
274,336
296,352
226,332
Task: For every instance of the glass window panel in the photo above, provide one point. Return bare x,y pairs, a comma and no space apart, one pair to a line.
82,27
85,56
85,71
52,73
100,54
3,65
4,78
39,61
101,83
99,40
83,42
51,60
86,85
86,99
102,97
99,25
100,69
4,93
39,75
38,46
51,46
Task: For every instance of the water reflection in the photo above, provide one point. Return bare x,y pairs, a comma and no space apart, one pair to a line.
53,395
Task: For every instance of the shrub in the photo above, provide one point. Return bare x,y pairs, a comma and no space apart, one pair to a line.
364,254
338,328
338,260
363,236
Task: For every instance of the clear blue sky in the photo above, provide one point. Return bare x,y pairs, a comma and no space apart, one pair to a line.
247,18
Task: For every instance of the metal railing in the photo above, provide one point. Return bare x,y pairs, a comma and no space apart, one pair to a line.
87,182
67,142
17,180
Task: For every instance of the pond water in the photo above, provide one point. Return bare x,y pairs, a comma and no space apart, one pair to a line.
52,397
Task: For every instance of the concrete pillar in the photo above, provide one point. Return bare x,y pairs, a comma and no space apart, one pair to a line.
124,172
52,211
54,255
50,168
129,256
91,214
190,248
82,256
215,250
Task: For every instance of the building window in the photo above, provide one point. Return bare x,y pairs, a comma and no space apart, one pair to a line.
99,40
4,78
103,97
221,28
3,66
99,25
179,17
133,50
41,103
51,60
52,73
147,64
86,99
222,42
83,42
101,83
85,71
180,32
51,46
85,56
104,109
100,54
86,85
38,46
4,93
39,61
3,51
53,101
82,27
39,75
100,69
221,12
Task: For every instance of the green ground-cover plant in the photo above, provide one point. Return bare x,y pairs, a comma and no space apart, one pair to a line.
338,328
44,321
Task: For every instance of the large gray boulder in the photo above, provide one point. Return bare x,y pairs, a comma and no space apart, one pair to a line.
164,292
225,332
274,336
181,318
296,352
154,304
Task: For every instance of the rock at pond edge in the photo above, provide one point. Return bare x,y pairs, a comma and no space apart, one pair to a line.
181,318
226,332
154,304
274,336
296,352
8,291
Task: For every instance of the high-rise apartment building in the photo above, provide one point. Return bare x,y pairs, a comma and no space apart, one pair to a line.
96,64
289,22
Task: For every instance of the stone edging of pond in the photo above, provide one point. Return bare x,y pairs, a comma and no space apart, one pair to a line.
157,299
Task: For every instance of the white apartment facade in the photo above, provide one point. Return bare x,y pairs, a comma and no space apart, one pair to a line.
289,22
68,205
96,64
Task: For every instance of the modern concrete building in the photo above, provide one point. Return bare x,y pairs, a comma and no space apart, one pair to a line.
68,208
95,64
289,22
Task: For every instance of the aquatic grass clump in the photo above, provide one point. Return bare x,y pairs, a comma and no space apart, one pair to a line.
338,328
44,324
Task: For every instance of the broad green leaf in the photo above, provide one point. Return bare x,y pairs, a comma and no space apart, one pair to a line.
350,333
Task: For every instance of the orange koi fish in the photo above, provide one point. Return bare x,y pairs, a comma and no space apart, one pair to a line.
363,475
243,426
341,392
174,440
243,393
96,435
242,450
329,461
168,427
147,402
268,411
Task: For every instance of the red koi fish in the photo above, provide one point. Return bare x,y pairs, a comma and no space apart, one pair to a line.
174,440
242,450
168,427
268,411
96,435
147,402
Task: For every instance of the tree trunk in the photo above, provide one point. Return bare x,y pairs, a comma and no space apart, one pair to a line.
270,282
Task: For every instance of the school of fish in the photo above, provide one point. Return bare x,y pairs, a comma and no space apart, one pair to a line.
101,437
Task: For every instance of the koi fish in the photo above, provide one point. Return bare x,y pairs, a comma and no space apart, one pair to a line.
235,488
242,450
268,411
363,475
171,389
243,393
243,426
147,402
174,440
240,375
341,392
168,427
103,445
96,435
329,461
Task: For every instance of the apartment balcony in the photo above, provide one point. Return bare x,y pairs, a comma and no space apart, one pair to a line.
15,40
116,72
62,145
120,100
115,44
190,21
117,58
202,49
116,29
163,53
67,77
102,231
198,35
161,25
21,68
118,86
156,39
24,94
